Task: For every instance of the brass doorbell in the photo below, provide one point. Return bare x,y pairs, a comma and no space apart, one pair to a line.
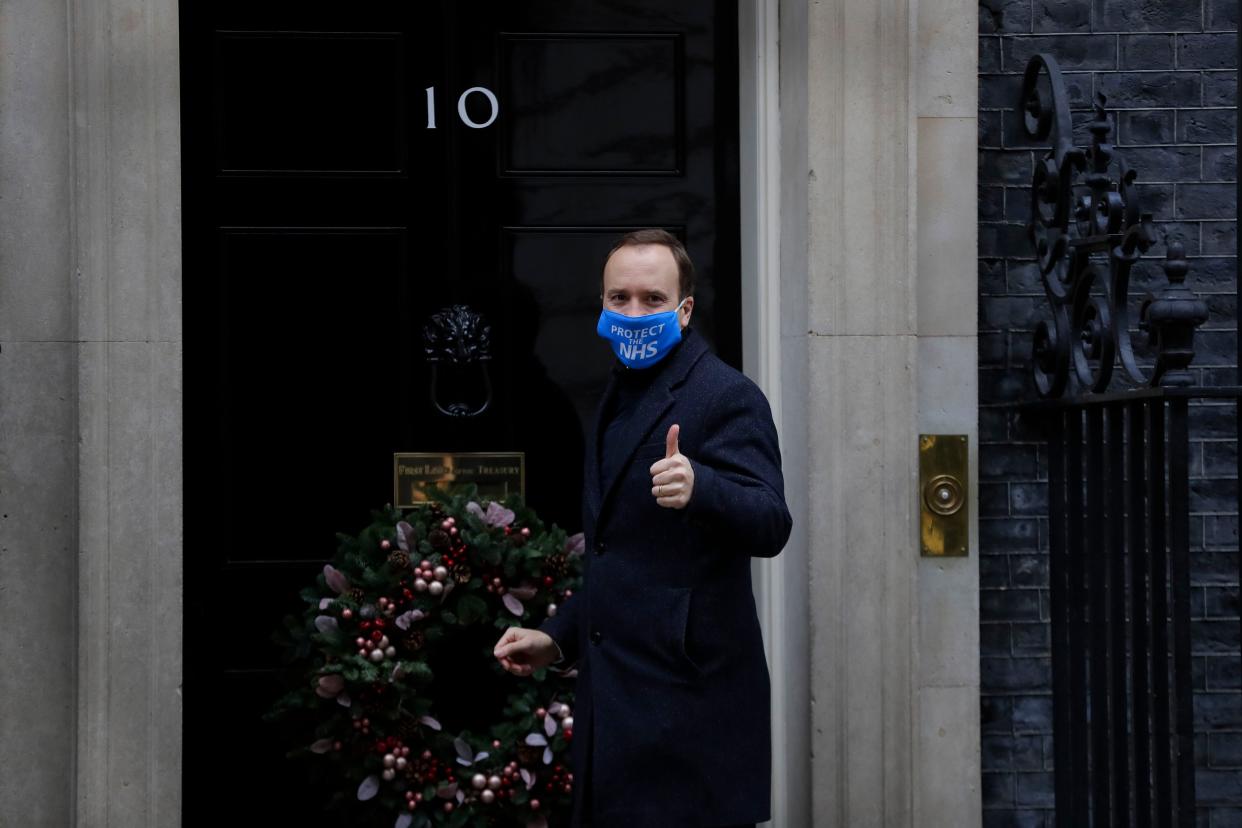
943,476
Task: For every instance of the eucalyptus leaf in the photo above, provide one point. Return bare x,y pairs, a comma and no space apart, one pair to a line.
369,788
335,579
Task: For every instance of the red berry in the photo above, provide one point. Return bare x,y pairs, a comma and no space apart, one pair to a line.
548,580
376,635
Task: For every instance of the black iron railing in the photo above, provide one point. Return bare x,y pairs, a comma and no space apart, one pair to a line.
1119,491
1119,580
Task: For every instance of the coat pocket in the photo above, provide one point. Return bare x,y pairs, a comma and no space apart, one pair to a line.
679,627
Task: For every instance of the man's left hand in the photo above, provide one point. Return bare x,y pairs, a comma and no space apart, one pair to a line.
672,479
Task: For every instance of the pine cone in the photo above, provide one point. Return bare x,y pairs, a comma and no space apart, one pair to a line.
414,641
407,729
399,560
358,595
462,573
439,539
557,565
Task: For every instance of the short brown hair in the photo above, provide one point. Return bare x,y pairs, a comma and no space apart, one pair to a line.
654,235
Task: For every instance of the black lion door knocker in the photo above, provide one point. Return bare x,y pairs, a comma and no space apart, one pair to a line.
459,337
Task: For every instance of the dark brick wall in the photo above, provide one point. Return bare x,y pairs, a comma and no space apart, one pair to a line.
1168,68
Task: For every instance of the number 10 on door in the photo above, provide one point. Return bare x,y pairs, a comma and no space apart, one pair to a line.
461,107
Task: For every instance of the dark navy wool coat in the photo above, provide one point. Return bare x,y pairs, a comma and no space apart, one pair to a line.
671,722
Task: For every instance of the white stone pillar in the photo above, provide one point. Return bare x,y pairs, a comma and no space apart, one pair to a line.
90,430
947,748
38,421
860,306
877,287
127,257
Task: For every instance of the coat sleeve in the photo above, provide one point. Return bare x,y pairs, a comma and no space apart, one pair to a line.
563,627
739,491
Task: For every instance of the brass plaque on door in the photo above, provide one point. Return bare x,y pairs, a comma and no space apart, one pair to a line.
944,519
497,474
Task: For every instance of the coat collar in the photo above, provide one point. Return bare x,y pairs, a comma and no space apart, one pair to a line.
653,405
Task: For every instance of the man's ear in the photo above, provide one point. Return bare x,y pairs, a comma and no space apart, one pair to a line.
687,307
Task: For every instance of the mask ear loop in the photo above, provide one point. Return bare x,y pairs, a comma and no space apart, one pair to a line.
679,304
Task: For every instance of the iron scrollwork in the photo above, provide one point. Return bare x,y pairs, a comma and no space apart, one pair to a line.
461,337
1083,204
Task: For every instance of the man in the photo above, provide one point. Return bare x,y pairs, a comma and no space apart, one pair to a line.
683,486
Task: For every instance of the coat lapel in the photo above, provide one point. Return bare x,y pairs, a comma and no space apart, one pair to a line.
651,408
591,483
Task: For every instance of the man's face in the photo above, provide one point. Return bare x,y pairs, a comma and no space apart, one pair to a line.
640,279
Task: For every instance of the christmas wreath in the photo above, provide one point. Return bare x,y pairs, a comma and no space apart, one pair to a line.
397,639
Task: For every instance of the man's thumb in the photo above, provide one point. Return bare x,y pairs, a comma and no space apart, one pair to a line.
670,442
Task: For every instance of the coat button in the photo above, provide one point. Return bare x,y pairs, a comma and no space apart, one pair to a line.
600,546
596,637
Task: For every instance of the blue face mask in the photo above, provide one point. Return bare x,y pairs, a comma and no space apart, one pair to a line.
640,341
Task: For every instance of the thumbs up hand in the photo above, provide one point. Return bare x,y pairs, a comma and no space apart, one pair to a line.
672,479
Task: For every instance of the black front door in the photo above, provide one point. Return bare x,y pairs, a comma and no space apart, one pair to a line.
350,169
